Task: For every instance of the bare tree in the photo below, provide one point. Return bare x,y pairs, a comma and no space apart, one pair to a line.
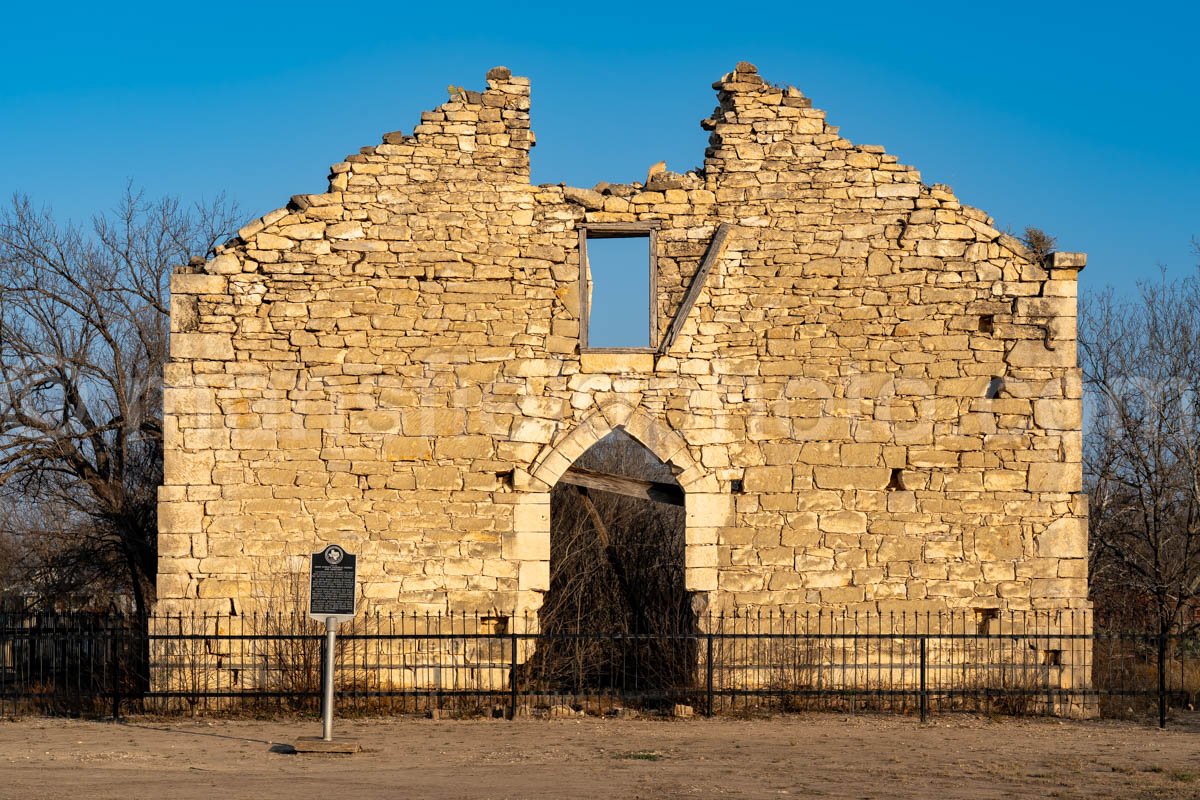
46,560
84,320
1141,364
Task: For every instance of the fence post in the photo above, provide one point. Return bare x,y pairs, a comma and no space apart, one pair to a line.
708,677
1162,676
512,677
924,699
115,644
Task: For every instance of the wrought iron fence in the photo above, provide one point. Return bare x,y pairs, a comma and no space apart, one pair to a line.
1044,662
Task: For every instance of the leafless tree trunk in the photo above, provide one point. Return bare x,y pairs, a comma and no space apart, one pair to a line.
83,337
1141,364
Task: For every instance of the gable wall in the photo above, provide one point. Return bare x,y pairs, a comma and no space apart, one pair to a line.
364,366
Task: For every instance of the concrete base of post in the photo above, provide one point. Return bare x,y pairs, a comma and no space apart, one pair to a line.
316,744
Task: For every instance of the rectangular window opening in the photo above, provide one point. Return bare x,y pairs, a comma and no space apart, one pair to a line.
619,288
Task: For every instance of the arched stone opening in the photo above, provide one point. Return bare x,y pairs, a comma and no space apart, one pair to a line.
706,508
617,614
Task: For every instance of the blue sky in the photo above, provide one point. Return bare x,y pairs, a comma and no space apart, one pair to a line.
619,310
1078,118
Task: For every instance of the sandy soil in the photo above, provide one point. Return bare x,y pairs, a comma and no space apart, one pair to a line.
802,756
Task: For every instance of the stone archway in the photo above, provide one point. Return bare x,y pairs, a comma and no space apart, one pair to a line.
707,508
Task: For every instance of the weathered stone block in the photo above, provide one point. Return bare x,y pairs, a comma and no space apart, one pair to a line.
851,477
1058,587
526,544
998,544
225,264
464,447
700,555
253,440
190,400
1068,260
199,283
1063,538
843,522
202,346
407,448
1055,477
177,518
269,241
433,421
617,363
827,579
899,548
708,510
1060,415
701,579
1034,353
535,575
181,467
305,230
376,421
531,516
768,479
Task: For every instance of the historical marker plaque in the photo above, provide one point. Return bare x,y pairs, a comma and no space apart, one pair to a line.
333,587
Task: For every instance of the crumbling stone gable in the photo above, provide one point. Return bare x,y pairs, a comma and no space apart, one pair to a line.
873,404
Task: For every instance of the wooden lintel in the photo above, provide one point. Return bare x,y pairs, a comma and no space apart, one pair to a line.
666,493
715,248
615,230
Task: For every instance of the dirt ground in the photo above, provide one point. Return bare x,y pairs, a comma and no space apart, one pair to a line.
794,756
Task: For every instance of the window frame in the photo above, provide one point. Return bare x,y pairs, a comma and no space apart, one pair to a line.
617,230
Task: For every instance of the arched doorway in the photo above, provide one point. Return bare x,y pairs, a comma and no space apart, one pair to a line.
618,615
707,508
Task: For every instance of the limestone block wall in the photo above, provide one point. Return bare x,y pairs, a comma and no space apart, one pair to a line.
873,404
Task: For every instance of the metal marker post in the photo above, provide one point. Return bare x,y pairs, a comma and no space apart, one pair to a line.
327,680
332,598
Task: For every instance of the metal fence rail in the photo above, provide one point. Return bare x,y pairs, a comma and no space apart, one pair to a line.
1045,662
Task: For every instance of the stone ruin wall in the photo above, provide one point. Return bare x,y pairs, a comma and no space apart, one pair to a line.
394,365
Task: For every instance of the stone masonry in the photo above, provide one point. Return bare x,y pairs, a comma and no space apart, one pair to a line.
873,404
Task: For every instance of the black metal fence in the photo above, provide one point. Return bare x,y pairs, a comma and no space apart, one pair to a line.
1045,662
